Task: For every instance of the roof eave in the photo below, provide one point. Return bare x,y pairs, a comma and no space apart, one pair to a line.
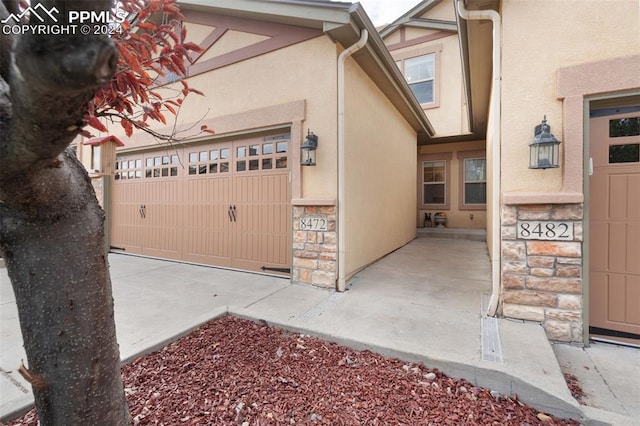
417,10
304,13
464,57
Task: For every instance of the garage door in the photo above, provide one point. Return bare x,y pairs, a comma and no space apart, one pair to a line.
224,204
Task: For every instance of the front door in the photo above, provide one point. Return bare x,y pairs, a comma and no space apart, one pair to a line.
614,224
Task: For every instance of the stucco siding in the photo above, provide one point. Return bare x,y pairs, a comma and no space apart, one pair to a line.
302,72
380,181
457,217
447,113
444,11
574,32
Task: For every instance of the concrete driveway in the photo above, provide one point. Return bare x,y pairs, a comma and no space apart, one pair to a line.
421,303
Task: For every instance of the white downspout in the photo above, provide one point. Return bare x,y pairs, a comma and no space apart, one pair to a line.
342,282
496,106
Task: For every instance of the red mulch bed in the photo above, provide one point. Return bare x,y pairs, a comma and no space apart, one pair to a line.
237,372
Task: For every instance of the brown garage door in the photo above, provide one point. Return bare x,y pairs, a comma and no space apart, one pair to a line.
224,204
614,224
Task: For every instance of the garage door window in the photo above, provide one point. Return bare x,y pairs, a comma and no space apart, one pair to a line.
128,169
161,166
241,164
261,157
209,162
281,160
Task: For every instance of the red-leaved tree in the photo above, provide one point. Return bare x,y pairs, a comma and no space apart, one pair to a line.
151,54
52,238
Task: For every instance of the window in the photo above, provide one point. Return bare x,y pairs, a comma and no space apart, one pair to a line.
473,180
622,127
128,169
420,68
420,74
434,180
628,153
96,162
162,166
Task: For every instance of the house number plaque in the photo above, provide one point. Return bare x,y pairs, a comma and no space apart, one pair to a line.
545,230
313,223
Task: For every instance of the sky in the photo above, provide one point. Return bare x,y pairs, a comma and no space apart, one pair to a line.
386,11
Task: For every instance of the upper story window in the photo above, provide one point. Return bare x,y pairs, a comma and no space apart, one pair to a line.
420,74
420,69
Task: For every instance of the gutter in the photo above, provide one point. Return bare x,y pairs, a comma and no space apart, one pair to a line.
364,35
496,110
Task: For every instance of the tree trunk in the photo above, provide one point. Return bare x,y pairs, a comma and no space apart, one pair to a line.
61,283
51,226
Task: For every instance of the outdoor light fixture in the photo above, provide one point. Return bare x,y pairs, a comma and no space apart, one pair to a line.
308,149
545,148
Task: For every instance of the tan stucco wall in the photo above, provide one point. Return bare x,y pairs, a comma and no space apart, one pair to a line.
573,32
444,11
456,218
302,72
380,161
448,114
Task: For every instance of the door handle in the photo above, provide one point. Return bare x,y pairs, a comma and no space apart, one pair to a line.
143,211
230,213
233,213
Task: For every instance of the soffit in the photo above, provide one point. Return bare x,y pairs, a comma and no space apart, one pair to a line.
476,40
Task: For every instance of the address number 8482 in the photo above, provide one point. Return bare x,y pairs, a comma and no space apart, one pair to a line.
545,230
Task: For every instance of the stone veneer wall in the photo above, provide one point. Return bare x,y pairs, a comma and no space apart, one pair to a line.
542,280
315,252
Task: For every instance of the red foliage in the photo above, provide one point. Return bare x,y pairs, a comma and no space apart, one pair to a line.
152,53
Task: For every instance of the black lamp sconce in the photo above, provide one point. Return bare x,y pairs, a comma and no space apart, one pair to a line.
308,150
545,148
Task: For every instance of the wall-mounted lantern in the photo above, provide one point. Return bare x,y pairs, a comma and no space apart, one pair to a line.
308,149
545,148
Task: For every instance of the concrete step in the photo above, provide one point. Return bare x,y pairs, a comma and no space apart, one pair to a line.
469,234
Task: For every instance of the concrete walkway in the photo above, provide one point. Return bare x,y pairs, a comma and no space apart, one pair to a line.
421,303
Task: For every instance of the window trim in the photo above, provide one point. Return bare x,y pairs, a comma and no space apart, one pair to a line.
461,156
426,50
96,158
446,157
